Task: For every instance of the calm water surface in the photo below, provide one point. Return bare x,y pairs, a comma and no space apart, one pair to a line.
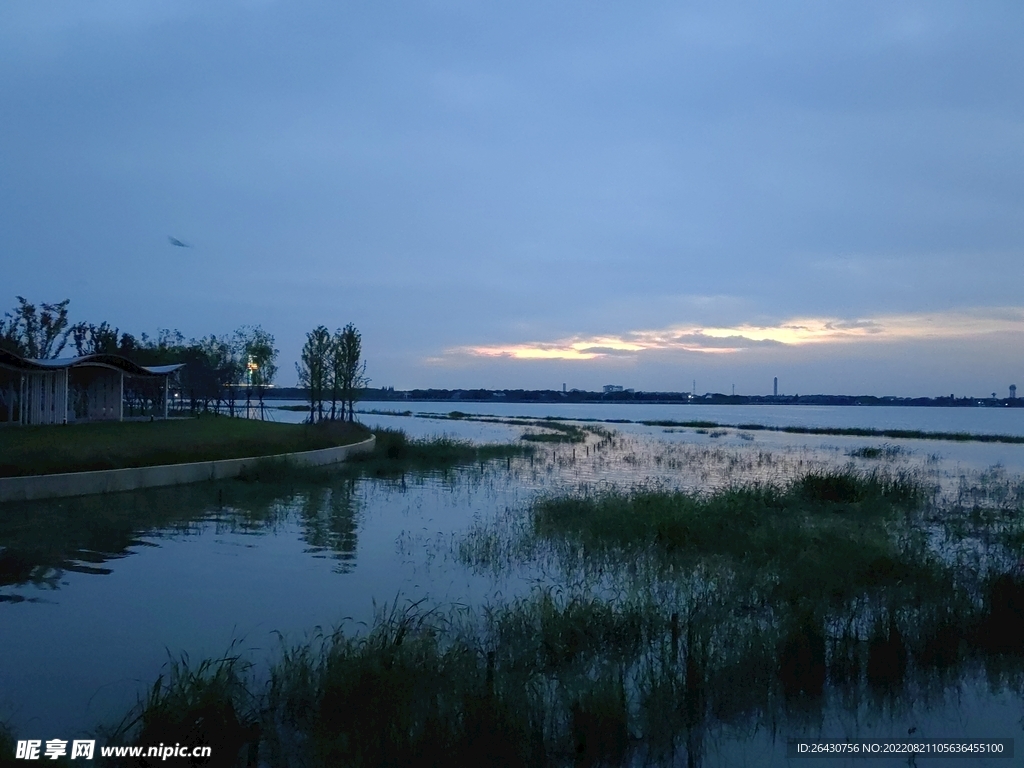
996,421
96,592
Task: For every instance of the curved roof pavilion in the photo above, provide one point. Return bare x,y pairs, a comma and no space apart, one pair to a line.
86,388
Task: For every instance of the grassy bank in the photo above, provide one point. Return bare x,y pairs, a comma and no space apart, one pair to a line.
41,450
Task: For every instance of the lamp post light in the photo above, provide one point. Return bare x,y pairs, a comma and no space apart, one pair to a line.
250,367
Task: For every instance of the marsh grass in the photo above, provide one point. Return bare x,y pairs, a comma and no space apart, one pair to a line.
415,689
395,454
7,747
558,433
210,703
702,426
546,680
887,452
695,424
562,678
741,606
826,535
905,434
557,430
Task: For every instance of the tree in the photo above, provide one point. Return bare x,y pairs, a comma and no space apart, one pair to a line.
92,339
348,369
36,333
260,359
336,375
313,369
226,358
199,377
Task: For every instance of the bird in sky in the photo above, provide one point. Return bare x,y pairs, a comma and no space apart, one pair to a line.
175,241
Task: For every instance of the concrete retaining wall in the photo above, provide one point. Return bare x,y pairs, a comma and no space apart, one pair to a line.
113,480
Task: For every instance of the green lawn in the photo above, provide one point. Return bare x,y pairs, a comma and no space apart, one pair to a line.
83,447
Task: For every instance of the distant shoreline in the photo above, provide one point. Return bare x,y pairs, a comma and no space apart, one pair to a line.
648,398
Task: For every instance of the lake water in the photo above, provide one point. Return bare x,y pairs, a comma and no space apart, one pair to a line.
95,593
994,421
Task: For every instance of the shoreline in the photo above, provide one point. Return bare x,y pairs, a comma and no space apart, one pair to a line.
61,485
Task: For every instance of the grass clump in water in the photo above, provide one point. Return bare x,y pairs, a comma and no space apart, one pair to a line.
395,453
825,535
415,690
697,424
560,433
888,452
210,704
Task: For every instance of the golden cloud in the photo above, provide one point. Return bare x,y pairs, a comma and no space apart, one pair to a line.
731,340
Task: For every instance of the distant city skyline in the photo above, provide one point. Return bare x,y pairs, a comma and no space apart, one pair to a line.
529,195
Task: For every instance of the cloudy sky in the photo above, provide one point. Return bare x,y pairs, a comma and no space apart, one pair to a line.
531,193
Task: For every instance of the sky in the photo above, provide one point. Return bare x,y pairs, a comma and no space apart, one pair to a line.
520,195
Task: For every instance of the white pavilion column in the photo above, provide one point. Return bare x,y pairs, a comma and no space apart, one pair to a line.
120,397
167,388
33,398
64,399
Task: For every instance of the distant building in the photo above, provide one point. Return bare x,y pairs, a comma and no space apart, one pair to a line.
610,388
1013,391
775,388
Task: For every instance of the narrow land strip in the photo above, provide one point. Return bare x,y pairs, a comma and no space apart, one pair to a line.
906,434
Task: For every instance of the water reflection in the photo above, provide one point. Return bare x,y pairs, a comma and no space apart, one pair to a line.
329,522
41,542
